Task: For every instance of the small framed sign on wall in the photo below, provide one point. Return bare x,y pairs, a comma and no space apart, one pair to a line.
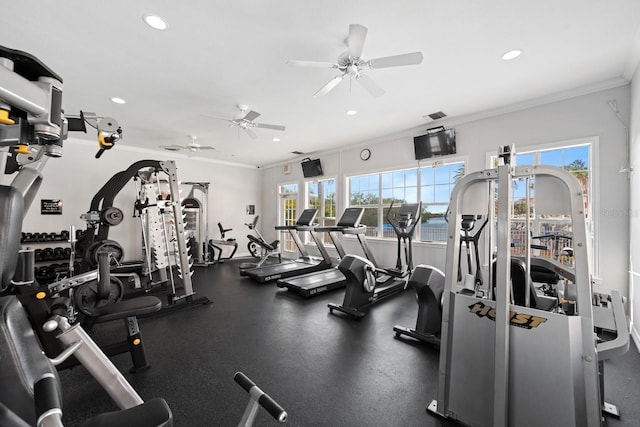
50,207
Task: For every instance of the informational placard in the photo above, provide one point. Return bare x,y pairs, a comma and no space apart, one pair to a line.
50,207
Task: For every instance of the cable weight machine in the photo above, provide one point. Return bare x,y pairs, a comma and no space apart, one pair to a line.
163,227
507,363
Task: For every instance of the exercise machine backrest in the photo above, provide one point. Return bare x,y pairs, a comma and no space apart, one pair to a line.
11,213
21,361
223,231
22,365
519,287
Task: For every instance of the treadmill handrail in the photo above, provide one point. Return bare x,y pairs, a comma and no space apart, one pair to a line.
361,229
343,229
294,227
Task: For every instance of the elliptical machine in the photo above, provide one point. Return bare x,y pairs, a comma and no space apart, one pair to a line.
366,283
429,281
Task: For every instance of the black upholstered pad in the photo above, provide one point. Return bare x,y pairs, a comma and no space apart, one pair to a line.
22,361
139,306
11,212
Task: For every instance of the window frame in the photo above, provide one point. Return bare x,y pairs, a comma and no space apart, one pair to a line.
382,207
322,219
593,142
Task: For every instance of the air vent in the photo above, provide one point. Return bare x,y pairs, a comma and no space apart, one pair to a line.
436,116
297,152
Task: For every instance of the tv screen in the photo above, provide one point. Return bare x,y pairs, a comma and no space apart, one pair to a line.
437,142
311,168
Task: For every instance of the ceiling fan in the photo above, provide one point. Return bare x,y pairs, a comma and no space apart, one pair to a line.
353,65
192,146
245,121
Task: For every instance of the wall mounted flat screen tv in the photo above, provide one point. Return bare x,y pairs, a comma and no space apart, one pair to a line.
311,168
436,142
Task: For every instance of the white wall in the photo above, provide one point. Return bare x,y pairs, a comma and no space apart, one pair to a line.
77,176
634,259
570,119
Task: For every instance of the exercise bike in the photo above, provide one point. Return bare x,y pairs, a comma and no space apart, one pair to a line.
259,248
226,246
366,283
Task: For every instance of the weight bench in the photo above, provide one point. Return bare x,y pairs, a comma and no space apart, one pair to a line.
30,393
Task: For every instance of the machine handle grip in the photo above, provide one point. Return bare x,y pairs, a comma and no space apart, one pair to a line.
266,401
285,227
48,400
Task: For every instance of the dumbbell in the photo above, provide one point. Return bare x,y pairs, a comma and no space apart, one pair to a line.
45,275
58,253
38,255
47,254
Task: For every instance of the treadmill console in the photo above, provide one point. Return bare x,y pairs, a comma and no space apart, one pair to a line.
306,217
351,218
409,211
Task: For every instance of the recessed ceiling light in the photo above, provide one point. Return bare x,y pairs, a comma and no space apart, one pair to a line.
154,21
511,54
276,139
118,100
352,113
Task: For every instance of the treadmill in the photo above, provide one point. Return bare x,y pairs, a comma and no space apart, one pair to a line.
305,264
317,282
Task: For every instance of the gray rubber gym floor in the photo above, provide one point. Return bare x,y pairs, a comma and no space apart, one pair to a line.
323,369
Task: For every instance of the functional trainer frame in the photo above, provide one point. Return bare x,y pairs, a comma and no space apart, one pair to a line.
503,364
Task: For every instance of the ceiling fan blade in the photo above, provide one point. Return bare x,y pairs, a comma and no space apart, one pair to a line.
357,35
206,147
251,116
327,88
396,60
217,118
266,126
251,133
173,147
371,86
311,64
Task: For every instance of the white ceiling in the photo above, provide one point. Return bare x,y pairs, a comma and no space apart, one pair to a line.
218,54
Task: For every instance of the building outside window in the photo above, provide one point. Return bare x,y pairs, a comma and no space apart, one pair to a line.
430,185
288,203
550,231
321,195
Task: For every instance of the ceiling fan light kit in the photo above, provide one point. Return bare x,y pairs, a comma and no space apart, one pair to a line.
354,66
192,146
245,121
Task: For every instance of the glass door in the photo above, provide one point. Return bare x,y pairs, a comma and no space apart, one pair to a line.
288,216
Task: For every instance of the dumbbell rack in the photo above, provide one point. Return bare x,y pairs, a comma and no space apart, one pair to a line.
48,270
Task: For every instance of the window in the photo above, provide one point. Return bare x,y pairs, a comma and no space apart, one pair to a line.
321,195
552,232
430,185
435,190
288,194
